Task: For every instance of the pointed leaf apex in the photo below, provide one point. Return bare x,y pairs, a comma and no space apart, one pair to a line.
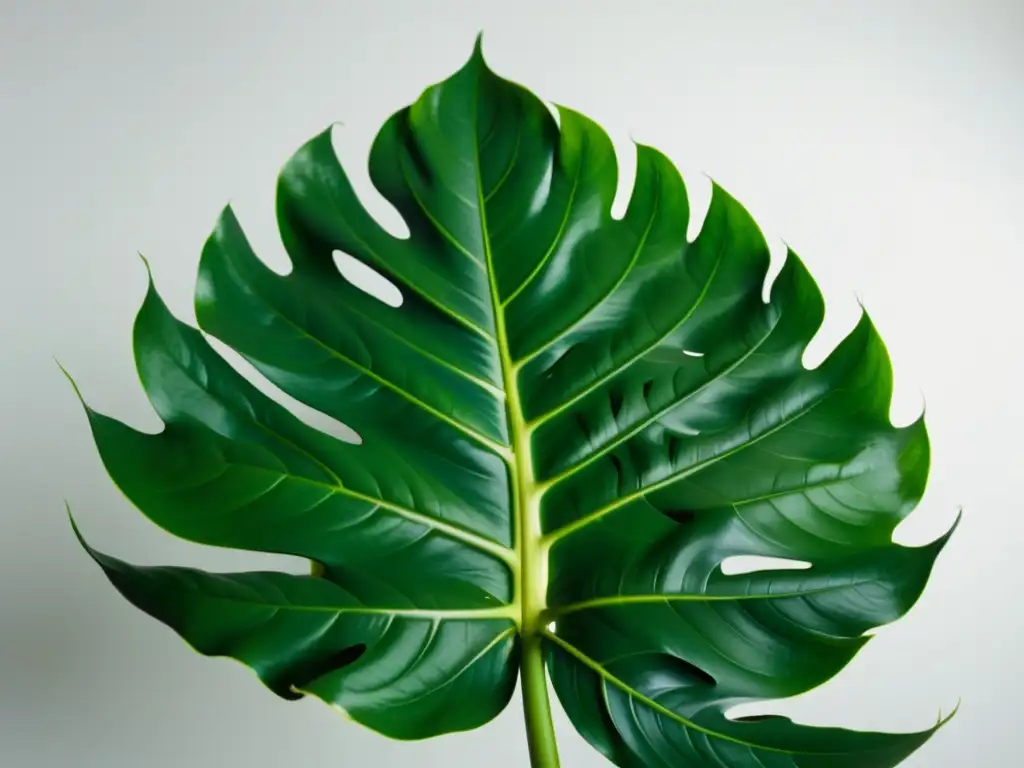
956,523
940,542
74,384
477,60
71,519
943,720
152,294
75,528
146,264
924,404
97,557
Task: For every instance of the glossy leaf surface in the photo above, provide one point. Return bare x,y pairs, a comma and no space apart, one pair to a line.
566,427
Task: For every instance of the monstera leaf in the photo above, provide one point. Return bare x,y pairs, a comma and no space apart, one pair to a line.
566,426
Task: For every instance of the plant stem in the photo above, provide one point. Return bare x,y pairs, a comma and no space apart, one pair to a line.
531,573
540,730
532,598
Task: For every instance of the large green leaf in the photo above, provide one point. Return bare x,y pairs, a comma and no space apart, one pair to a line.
567,426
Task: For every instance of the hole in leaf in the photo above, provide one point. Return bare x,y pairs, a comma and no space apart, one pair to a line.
759,711
679,672
648,385
737,565
367,279
690,353
328,664
304,413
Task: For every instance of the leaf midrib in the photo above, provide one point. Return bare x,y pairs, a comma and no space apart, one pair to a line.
529,576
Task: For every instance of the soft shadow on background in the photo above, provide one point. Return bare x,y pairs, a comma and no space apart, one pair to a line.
882,140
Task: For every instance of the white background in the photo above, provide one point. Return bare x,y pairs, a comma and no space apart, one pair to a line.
883,140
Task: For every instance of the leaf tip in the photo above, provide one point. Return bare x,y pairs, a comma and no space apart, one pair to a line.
955,525
943,719
790,251
919,421
951,715
145,263
227,221
944,538
71,380
718,192
477,60
639,146
61,367
151,291
152,300
860,302
939,543
74,527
